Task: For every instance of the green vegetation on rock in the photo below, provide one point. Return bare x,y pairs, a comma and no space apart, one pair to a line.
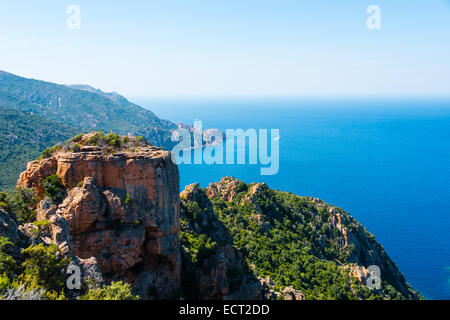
41,271
295,241
43,268
115,291
98,141
54,188
21,202
36,270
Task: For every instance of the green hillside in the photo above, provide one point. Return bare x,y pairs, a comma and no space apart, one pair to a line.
84,107
22,138
295,241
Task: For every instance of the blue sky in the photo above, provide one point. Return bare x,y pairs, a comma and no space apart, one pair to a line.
246,47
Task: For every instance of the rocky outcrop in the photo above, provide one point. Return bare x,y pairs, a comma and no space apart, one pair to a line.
121,208
9,229
269,292
223,274
364,250
227,189
290,293
36,172
56,232
355,248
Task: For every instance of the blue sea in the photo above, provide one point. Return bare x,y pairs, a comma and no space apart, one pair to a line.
384,160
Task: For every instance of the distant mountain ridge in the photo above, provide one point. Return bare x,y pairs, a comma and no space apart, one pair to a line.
83,107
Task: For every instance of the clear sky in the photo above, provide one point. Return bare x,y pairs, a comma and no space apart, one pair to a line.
232,47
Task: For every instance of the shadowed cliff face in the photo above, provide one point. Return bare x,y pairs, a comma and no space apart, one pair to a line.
217,272
122,209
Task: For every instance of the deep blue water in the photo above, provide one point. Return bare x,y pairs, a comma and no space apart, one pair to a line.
386,161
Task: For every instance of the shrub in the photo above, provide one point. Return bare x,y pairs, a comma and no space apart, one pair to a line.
241,187
41,226
7,263
22,293
21,203
115,291
77,138
199,247
108,142
3,200
113,140
5,284
127,200
44,268
141,140
47,153
54,188
95,139
75,147
193,210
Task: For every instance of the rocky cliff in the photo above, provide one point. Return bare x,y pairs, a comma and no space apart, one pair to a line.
297,247
121,205
215,268
217,273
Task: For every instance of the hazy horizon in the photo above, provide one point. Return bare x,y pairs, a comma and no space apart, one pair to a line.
134,98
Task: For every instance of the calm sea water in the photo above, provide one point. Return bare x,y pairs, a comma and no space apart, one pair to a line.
386,161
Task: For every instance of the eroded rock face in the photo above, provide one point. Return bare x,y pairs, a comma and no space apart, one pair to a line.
222,275
9,229
269,292
35,173
366,251
121,209
290,293
225,189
